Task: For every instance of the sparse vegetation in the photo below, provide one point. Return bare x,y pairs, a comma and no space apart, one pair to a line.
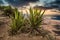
31,24
34,23
7,10
17,22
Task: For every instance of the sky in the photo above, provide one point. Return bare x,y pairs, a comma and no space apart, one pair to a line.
40,2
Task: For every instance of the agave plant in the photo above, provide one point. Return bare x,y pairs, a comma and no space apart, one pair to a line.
17,22
35,21
35,18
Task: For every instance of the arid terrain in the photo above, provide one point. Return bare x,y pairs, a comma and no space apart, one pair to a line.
51,25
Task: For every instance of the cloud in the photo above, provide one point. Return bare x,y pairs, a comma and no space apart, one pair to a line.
30,0
19,3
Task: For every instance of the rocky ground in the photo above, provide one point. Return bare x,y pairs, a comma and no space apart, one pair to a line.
49,24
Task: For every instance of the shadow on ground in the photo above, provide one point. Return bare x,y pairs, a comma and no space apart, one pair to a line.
1,23
56,17
57,31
